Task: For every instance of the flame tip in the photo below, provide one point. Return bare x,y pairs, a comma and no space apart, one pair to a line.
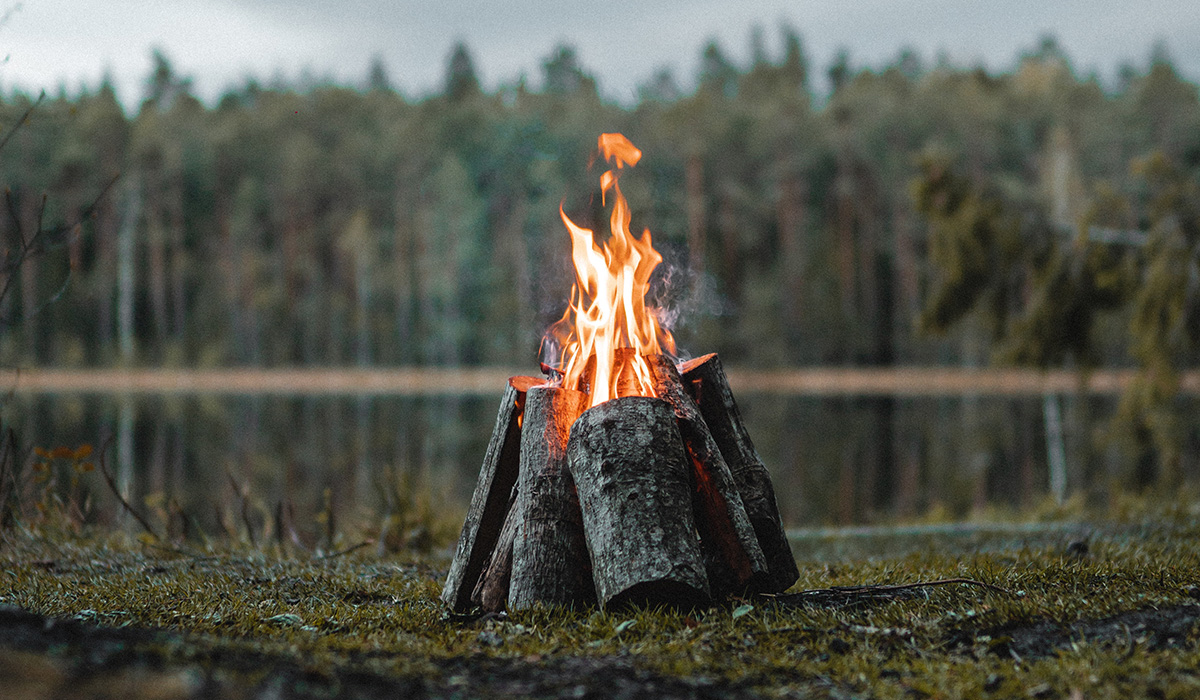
607,311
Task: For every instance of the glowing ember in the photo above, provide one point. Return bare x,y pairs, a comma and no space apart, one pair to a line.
607,327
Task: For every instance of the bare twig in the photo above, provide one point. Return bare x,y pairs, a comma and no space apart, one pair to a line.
112,485
851,594
24,117
42,240
8,474
347,550
243,495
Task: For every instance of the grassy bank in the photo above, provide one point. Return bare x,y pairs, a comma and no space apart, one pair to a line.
1111,613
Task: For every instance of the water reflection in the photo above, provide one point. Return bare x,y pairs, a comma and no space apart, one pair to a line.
834,460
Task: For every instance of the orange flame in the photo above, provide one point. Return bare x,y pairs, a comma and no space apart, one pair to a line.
608,312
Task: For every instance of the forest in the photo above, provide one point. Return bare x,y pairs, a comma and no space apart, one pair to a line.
914,214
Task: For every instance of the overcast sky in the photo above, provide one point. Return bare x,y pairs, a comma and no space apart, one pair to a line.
48,43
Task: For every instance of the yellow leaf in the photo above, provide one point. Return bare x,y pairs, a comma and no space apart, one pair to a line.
61,452
41,452
82,452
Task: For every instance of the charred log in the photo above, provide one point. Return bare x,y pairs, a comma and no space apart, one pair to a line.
627,461
549,556
491,591
705,380
491,500
733,557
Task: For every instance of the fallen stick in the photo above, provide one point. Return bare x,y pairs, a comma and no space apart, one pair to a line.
851,594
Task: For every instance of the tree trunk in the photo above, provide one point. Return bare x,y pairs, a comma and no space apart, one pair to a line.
626,458
178,264
705,380
549,560
126,250
793,256
694,183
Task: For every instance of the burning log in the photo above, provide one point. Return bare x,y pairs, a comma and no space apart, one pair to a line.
492,498
621,464
733,557
635,494
705,380
549,555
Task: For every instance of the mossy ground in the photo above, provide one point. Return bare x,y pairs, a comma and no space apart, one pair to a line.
104,615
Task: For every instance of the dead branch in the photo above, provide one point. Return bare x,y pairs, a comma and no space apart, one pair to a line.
112,485
847,595
343,552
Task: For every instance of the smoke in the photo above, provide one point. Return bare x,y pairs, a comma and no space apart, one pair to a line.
681,297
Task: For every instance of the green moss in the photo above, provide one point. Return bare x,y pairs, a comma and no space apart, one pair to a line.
382,616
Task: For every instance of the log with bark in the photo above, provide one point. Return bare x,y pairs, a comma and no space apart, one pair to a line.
705,380
657,500
634,486
550,563
733,557
491,500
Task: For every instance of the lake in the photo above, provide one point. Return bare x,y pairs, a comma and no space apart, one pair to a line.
868,452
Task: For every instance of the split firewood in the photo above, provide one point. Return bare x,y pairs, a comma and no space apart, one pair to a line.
491,591
705,380
549,557
733,556
492,497
634,486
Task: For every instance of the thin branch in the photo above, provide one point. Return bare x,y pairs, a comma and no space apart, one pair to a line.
242,493
41,241
8,321
347,550
24,118
112,485
925,584
868,592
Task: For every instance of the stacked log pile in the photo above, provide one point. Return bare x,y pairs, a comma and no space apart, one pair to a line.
653,500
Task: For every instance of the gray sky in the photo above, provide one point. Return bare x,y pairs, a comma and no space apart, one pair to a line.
47,43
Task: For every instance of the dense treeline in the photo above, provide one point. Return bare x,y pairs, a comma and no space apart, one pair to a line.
913,214
335,225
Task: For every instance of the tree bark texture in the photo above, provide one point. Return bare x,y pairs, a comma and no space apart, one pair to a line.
491,592
732,553
628,464
704,378
549,560
492,497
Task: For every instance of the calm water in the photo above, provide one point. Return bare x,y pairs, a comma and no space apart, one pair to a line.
833,460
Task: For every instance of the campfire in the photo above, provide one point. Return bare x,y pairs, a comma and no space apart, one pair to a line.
621,477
